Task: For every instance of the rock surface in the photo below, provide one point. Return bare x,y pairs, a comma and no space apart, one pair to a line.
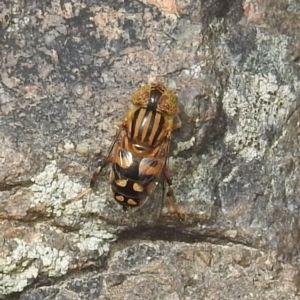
68,70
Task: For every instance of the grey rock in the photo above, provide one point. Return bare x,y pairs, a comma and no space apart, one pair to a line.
68,70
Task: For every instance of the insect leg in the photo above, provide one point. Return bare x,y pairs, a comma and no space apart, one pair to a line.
164,154
176,122
103,163
99,169
170,193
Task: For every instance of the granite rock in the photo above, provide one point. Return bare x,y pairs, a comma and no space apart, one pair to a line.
68,70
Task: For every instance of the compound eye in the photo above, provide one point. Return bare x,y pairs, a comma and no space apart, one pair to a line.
168,103
141,96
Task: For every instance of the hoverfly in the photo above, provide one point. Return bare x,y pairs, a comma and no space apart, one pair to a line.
139,153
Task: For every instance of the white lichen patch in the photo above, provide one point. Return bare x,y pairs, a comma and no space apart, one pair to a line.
26,261
45,250
262,108
182,146
259,102
56,190
68,145
83,148
91,238
195,71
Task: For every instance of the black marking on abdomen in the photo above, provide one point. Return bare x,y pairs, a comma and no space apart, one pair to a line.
126,202
127,190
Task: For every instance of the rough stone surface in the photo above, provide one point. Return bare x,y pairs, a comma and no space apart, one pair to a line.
67,72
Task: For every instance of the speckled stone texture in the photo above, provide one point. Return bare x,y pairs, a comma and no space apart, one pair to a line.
68,69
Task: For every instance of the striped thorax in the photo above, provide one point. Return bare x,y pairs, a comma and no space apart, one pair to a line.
150,119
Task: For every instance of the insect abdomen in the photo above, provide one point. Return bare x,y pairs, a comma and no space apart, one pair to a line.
133,179
129,191
133,194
